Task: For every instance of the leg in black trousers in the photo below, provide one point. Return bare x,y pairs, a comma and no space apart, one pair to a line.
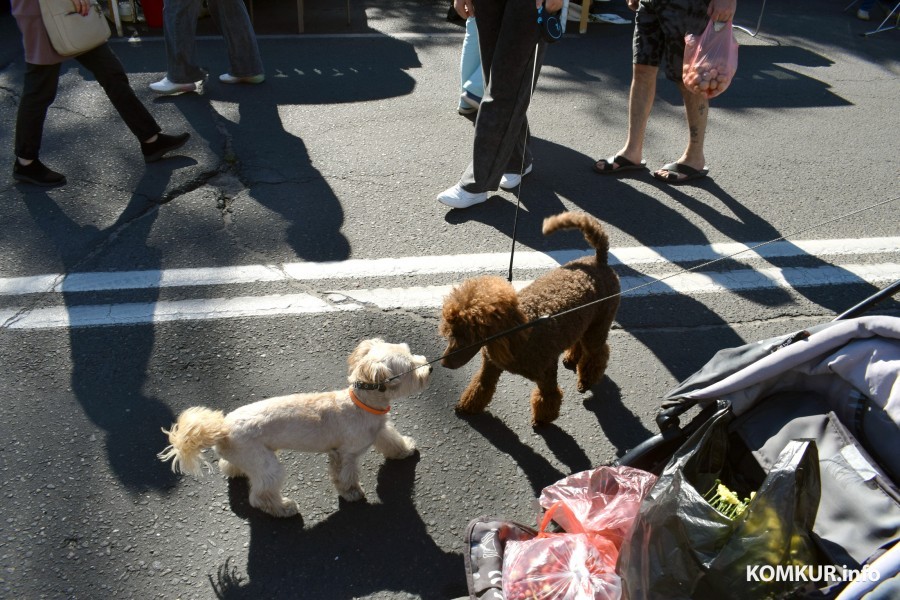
38,93
508,37
110,74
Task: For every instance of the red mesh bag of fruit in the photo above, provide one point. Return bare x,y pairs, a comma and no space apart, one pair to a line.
575,565
710,60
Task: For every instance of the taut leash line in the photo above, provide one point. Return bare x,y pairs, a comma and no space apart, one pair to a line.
546,318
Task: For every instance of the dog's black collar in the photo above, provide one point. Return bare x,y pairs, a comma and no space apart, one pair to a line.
362,385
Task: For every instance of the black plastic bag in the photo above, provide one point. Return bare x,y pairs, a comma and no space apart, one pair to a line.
683,547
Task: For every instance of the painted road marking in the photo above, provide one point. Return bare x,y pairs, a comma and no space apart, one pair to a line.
431,265
429,297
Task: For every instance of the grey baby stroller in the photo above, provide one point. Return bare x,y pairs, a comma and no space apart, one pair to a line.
834,388
801,434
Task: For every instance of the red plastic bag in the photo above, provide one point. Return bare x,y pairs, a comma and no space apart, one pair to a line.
711,60
603,501
561,566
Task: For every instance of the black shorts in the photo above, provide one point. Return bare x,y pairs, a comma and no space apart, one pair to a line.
659,30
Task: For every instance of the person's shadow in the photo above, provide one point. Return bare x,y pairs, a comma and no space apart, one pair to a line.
258,132
361,548
110,364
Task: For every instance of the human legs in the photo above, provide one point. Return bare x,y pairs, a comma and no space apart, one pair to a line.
640,104
676,21
648,45
240,40
180,31
470,73
110,74
696,110
511,54
38,93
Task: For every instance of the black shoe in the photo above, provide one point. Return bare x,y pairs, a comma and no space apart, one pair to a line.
163,144
37,173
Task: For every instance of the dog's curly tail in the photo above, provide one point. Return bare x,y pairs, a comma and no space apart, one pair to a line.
197,429
589,226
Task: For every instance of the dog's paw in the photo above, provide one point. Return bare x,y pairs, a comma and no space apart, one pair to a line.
354,494
467,409
286,508
409,448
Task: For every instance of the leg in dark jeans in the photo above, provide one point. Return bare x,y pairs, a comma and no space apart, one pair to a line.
110,74
508,37
38,93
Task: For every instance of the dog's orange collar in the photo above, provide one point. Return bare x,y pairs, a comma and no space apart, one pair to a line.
366,407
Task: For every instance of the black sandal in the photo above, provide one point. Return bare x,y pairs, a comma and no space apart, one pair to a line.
675,169
604,166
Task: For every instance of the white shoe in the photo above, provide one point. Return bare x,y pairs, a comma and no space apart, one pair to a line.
511,181
456,197
229,78
170,88
862,15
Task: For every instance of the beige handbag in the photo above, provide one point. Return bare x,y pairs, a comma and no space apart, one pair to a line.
69,32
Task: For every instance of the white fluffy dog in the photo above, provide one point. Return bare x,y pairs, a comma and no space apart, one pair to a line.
344,423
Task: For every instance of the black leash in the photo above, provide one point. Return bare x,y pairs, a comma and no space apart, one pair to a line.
512,251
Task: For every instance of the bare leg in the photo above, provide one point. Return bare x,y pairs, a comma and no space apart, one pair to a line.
640,104
481,389
696,110
391,444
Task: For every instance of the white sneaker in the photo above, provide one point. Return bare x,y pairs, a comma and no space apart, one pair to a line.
862,15
170,88
229,78
456,197
511,181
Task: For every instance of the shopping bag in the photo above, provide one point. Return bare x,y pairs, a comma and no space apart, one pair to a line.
710,60
603,501
683,547
575,565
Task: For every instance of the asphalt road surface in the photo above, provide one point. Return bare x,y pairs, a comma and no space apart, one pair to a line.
301,218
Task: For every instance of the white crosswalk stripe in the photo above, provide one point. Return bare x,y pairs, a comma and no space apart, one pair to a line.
662,261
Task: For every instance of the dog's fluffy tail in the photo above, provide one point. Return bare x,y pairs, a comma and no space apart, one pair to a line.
589,226
196,430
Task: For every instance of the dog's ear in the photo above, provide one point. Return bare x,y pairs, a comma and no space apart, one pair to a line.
361,350
483,306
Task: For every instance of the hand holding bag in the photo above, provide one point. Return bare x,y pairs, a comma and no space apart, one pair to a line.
69,32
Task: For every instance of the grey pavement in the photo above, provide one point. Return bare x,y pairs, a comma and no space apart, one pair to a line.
339,155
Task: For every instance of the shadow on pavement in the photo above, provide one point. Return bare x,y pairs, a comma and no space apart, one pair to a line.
360,549
261,141
110,365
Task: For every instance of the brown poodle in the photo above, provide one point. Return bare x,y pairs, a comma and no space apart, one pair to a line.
486,306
